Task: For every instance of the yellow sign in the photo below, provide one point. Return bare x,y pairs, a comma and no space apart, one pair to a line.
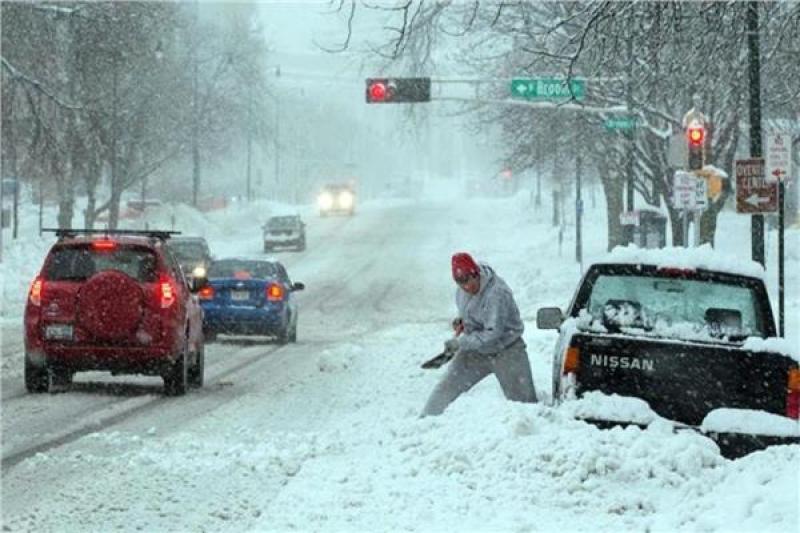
714,180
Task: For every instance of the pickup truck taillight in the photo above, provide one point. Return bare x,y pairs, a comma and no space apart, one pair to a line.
793,394
572,360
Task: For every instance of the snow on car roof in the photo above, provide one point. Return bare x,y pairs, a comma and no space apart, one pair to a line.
702,257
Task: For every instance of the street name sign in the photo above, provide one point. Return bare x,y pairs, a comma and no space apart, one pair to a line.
754,194
547,89
779,157
620,123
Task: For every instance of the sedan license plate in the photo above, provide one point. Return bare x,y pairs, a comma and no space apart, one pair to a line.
240,295
58,331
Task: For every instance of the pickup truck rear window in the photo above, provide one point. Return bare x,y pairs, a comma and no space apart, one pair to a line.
668,303
79,263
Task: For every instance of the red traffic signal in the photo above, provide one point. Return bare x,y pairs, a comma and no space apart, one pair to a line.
376,91
398,90
696,135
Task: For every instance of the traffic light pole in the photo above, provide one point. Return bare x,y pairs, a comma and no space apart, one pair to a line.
754,66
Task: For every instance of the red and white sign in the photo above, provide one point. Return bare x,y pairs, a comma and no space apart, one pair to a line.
779,157
753,193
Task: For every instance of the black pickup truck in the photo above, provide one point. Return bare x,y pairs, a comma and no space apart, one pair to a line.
688,341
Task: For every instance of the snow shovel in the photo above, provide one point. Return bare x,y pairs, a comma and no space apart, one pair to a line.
439,360
444,357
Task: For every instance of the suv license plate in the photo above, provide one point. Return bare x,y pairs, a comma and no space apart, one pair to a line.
240,295
58,331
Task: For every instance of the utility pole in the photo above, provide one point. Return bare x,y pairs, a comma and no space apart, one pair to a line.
754,64
276,143
578,210
249,139
538,202
629,106
195,147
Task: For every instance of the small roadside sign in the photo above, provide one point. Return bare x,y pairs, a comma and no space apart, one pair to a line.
779,157
754,194
629,218
678,152
701,194
684,190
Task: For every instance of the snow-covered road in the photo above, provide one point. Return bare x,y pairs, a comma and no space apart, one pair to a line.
324,435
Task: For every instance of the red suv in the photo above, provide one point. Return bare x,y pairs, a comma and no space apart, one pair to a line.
113,300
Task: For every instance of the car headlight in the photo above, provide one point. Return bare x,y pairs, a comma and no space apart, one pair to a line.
346,199
325,200
199,271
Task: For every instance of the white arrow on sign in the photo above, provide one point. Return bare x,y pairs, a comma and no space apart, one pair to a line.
755,199
521,88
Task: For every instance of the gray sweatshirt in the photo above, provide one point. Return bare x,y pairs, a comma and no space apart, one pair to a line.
491,317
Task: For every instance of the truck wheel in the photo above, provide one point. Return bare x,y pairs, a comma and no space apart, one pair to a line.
176,377
293,334
37,379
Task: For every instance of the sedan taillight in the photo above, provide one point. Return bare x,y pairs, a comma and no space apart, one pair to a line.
793,394
206,293
274,292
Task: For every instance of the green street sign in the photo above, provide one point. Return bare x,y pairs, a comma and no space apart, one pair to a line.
547,89
620,123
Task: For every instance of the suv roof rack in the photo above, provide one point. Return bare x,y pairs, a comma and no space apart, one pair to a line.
64,233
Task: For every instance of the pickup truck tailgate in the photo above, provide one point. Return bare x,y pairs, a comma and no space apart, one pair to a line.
682,381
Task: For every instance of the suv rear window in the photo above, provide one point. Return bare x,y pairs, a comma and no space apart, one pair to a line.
78,263
242,269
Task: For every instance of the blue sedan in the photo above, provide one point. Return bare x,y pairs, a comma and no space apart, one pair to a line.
249,297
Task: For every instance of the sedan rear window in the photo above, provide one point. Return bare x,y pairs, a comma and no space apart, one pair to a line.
242,269
78,263
188,251
282,222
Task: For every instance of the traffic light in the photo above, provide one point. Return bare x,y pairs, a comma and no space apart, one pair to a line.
398,90
696,135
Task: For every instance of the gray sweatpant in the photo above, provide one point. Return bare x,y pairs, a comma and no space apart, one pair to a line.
511,367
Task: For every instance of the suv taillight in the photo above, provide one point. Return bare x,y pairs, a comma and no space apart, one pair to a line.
274,292
793,394
35,294
166,292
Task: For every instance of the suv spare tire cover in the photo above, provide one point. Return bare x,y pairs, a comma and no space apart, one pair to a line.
110,305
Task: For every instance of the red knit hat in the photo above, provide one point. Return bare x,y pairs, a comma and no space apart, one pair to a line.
464,265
